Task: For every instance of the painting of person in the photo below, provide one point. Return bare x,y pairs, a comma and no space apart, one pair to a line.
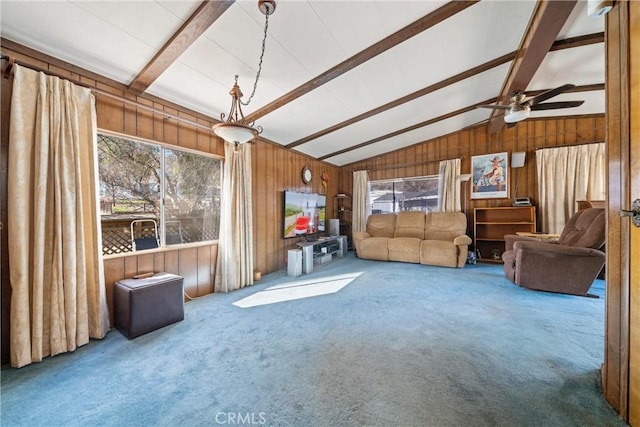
493,174
490,175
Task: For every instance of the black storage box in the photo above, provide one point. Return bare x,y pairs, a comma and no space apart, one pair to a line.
146,304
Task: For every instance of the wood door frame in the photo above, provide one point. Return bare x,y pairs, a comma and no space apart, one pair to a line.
634,163
615,370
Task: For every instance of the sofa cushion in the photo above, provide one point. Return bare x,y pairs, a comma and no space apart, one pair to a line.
444,225
438,252
381,225
405,249
410,224
374,248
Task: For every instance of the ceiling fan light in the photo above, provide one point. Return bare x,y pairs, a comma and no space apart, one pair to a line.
235,133
516,116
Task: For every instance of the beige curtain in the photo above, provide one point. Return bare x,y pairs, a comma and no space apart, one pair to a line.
565,175
235,248
57,284
449,186
361,203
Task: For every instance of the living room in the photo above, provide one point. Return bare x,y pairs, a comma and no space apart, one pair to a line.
276,168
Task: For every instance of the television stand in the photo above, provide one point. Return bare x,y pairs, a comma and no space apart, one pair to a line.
322,251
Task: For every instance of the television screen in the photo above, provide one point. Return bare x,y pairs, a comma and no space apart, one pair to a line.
304,213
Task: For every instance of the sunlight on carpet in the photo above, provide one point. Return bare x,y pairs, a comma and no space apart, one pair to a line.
298,290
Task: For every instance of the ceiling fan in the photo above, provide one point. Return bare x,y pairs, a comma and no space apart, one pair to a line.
520,106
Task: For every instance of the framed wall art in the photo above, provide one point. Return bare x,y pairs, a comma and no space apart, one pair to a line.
490,176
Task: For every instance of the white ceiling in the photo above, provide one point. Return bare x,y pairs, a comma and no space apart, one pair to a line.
306,38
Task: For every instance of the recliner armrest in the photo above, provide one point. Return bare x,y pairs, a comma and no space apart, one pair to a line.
555,249
556,268
510,239
462,240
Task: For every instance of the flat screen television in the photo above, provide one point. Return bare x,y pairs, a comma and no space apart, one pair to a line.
304,214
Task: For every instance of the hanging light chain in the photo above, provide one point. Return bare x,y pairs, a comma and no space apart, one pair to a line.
264,43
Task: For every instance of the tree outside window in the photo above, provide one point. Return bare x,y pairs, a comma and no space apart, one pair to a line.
136,177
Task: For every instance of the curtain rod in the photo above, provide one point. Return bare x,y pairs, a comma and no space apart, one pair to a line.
405,165
102,93
575,144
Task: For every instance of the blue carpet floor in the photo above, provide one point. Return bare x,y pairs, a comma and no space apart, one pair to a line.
399,345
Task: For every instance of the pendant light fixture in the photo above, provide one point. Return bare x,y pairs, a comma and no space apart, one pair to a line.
235,128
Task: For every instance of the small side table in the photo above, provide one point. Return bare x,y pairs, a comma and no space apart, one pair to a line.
543,237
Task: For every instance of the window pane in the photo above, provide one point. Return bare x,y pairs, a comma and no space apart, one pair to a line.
129,190
192,197
407,194
420,194
383,197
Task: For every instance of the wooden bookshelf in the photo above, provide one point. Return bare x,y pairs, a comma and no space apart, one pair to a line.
490,225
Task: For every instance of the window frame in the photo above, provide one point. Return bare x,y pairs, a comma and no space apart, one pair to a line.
162,214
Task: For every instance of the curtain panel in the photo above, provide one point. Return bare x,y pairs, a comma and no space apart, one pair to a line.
566,175
361,203
449,186
235,245
58,297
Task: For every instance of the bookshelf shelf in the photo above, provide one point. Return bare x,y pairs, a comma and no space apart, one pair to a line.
492,224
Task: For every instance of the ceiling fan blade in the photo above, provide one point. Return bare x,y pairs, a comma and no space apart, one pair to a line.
554,105
497,107
512,125
550,94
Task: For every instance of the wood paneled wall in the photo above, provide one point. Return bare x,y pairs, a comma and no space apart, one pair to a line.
275,169
193,263
528,136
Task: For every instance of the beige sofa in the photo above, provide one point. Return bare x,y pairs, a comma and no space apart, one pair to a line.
434,238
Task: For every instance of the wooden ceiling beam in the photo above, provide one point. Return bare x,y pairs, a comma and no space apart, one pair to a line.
206,14
545,24
417,94
409,128
557,45
415,28
584,88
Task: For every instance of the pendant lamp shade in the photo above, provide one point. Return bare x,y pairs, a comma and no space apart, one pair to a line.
235,132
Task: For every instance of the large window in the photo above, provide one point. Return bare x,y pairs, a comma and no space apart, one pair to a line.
404,194
148,191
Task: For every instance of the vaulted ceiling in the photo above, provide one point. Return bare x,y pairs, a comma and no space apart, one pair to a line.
342,80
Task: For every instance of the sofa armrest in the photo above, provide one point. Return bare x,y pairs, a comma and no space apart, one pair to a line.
462,240
359,236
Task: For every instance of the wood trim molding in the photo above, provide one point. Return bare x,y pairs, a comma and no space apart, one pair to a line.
615,370
206,14
415,28
546,22
634,159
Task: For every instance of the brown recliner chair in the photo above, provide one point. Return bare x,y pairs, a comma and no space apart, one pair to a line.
569,265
